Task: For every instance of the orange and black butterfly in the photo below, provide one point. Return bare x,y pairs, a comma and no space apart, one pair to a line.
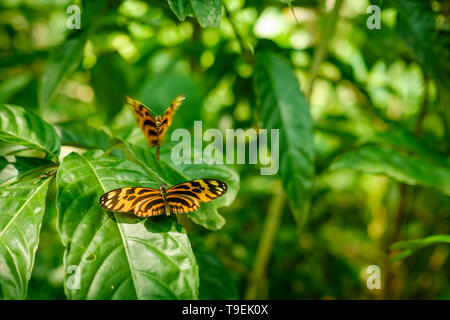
154,127
144,202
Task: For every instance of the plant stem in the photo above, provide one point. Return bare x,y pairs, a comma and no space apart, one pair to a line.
321,51
246,49
265,246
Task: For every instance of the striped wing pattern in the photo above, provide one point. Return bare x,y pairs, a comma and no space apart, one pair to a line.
154,128
166,120
145,120
182,198
139,201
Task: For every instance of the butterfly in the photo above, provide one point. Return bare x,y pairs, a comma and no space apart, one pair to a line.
154,127
181,198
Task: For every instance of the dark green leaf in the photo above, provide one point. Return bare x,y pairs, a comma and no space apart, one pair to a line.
119,256
215,281
283,106
22,209
401,167
22,127
109,91
79,134
207,12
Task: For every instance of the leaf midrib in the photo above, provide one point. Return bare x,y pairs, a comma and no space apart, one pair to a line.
127,253
23,207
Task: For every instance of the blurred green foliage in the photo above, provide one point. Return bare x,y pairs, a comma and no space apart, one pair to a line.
364,129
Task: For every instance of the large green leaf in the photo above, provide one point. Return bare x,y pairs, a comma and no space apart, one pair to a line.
215,281
62,60
207,12
22,207
118,256
23,127
401,167
283,106
410,246
165,171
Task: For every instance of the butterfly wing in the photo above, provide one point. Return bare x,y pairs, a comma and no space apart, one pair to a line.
185,197
144,119
142,202
166,119
182,204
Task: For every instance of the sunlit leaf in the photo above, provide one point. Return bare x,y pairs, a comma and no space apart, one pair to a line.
118,256
23,127
22,207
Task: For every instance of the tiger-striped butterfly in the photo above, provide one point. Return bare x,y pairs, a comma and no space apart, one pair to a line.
181,198
153,127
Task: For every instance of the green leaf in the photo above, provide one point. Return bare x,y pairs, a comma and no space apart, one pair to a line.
62,60
412,245
283,106
119,256
10,86
79,134
215,281
207,12
165,171
22,209
23,127
401,167
401,139
19,168
109,91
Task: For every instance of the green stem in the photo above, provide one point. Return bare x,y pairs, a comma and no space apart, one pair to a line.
265,246
321,51
247,49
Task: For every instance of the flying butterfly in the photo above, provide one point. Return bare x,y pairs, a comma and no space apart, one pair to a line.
181,198
154,127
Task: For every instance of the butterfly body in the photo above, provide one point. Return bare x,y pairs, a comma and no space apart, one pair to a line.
153,127
163,192
181,198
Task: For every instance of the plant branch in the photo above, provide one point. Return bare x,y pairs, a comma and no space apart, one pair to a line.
321,51
265,246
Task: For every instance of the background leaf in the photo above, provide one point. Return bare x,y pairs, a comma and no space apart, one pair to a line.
23,127
22,207
62,61
215,281
283,106
151,259
207,12
404,168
